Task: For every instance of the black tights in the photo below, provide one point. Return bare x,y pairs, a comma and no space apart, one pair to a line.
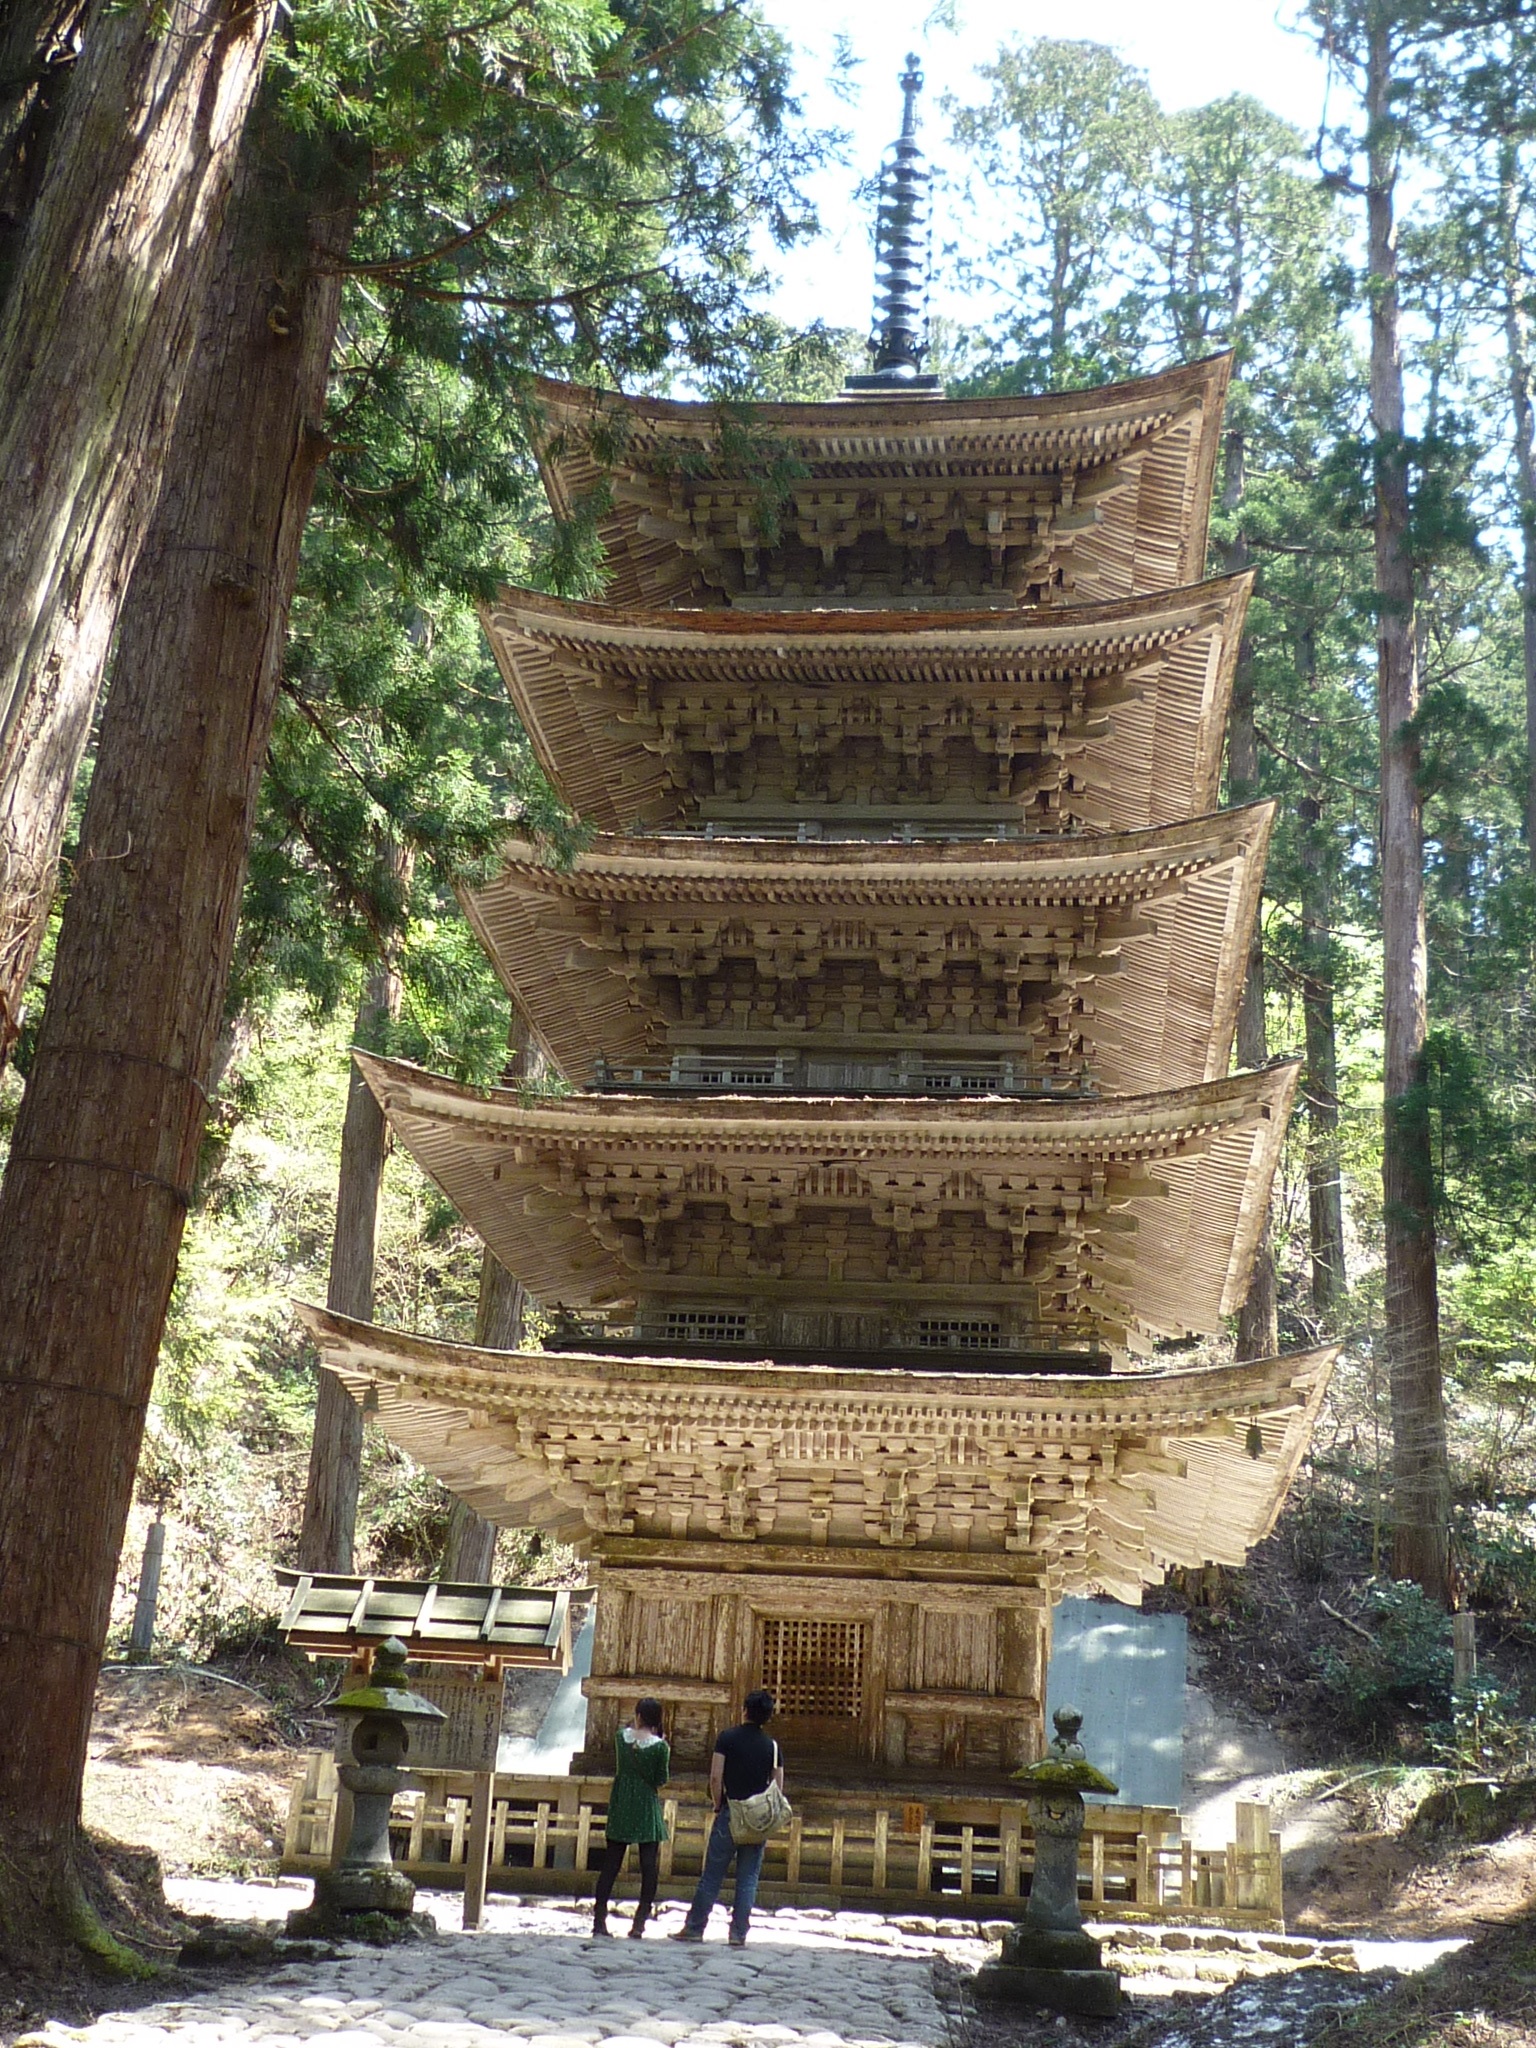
612,1864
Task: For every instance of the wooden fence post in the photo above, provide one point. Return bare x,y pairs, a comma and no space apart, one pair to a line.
477,1851
141,1637
1463,1649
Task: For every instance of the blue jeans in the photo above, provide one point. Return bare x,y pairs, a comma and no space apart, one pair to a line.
717,1861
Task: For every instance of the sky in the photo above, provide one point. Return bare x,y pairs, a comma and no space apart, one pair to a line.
1191,50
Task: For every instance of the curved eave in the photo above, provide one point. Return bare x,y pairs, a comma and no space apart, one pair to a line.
574,672
499,1428
1192,889
1049,415
584,437
1196,1164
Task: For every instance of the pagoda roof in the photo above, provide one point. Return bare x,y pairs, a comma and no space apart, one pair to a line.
1093,495
1132,945
1109,717
1080,1485
1129,1219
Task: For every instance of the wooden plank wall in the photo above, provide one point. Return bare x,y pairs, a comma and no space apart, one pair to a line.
954,1674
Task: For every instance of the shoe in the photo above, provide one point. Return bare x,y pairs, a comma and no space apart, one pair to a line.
737,1940
602,1934
636,1929
685,1934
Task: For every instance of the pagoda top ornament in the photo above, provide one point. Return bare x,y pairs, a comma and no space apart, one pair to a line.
899,343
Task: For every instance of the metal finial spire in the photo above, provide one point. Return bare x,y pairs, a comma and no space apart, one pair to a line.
900,340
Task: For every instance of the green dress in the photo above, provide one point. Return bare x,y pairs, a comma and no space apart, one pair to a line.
634,1811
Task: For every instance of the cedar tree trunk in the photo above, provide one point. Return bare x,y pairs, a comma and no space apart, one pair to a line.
1420,1471
97,330
1320,1081
1517,364
469,1552
1257,1320
336,1449
106,1141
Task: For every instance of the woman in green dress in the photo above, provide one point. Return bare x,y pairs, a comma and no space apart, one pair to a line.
644,1764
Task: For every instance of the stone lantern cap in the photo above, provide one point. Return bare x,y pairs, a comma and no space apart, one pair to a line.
386,1692
1065,1766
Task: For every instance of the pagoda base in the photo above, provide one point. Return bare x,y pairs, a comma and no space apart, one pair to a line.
889,1680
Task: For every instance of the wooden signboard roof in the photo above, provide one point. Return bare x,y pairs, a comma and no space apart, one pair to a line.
1125,951
1077,1485
1082,496
1126,1220
333,1614
1110,718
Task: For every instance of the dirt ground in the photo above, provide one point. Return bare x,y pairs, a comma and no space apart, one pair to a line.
197,1767
1383,1884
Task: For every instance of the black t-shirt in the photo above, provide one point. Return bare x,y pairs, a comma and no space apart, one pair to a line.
751,1757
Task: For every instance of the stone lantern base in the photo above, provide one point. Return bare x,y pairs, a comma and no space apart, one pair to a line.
362,1905
1058,1972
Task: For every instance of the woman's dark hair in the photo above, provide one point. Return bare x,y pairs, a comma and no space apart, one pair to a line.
649,1711
758,1706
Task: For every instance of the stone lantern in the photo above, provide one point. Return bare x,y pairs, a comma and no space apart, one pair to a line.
1048,1959
364,1897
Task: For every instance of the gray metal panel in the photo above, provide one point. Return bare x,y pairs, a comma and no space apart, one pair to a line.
1125,1670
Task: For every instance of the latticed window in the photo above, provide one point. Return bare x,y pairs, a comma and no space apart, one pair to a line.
707,1325
958,1333
815,1669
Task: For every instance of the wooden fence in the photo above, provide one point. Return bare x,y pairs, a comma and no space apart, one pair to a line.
968,1856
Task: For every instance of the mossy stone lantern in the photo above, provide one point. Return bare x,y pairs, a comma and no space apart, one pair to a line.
364,1896
1048,1959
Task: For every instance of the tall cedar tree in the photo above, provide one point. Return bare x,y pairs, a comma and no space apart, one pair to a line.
1494,193
97,329
1374,41
469,1550
101,1166
106,1142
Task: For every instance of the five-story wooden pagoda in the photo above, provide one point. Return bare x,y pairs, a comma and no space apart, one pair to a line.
897,992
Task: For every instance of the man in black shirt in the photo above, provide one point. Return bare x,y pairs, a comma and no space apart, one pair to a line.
746,1761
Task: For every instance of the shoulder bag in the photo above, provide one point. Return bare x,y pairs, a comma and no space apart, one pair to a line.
762,1815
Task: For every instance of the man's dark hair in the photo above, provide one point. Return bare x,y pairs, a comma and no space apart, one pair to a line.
758,1706
649,1711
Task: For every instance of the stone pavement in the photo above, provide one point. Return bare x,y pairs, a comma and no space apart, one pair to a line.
534,1973
807,1979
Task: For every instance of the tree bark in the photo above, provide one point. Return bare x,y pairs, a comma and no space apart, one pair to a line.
1258,1319
1320,1081
1420,1466
106,1141
329,1532
469,1548
1522,417
97,331
469,1552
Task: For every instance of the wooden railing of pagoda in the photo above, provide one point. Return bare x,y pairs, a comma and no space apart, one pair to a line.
966,1856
